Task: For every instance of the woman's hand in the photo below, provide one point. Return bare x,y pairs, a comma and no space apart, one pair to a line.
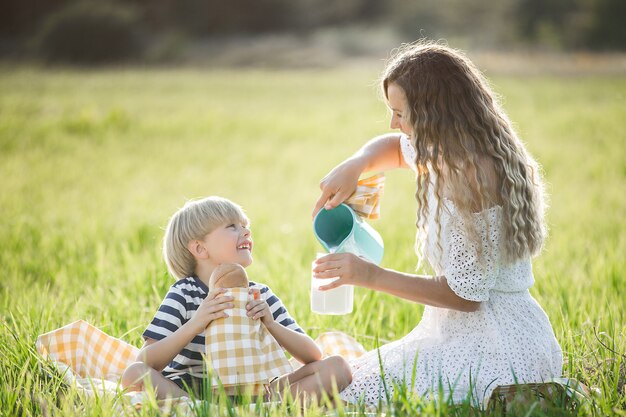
211,308
349,268
338,184
259,309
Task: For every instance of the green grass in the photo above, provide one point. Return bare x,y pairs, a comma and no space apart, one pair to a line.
92,164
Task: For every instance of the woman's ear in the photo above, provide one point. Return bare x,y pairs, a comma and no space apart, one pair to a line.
198,249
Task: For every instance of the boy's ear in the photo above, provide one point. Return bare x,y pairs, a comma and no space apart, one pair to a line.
197,249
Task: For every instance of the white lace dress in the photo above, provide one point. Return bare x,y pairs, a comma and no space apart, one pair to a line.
508,340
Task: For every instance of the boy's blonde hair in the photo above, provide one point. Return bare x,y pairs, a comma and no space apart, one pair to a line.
194,221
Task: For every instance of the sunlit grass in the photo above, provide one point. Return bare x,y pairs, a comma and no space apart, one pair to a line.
94,162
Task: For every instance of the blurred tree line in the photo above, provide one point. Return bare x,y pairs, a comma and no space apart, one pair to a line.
66,26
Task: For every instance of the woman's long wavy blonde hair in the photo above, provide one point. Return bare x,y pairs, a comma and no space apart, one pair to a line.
463,136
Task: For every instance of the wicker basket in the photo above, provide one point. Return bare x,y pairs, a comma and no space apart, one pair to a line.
558,393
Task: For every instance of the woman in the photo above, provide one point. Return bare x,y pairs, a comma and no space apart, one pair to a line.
480,220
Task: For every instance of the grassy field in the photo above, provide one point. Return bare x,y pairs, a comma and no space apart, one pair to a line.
92,164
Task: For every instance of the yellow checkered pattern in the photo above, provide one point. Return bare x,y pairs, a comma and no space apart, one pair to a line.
338,343
94,361
240,350
88,351
365,200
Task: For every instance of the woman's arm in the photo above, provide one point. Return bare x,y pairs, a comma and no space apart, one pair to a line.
353,270
432,291
299,345
379,154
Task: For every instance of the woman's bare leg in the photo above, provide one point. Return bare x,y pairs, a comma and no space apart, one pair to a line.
139,375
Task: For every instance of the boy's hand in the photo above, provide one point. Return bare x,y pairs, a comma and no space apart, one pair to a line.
211,308
259,309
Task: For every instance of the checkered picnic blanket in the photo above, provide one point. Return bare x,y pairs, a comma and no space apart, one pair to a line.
94,361
240,350
365,200
86,351
339,343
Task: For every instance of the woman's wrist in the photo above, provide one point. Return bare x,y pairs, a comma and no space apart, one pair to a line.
372,278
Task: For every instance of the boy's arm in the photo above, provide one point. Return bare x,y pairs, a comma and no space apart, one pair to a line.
299,345
158,354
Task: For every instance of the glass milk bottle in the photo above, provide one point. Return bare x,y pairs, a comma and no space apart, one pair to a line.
339,300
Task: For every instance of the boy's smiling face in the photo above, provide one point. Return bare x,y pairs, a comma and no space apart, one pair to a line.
230,243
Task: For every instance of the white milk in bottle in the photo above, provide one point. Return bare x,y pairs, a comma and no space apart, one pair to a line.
339,300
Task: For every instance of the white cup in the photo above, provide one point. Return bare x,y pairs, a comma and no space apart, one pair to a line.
339,300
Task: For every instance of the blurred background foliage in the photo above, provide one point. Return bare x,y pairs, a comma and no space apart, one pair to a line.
94,31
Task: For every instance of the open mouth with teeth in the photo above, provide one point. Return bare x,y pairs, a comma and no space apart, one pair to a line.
244,246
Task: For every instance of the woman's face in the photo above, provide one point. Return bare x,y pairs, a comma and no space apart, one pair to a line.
397,102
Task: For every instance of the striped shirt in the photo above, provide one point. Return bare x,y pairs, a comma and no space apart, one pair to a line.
180,304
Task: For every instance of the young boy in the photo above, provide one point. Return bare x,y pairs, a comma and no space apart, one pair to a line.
199,237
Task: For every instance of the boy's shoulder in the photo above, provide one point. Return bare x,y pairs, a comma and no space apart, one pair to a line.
258,285
189,285
263,288
194,286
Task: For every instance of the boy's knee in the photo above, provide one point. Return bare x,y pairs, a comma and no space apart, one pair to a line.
341,369
134,374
